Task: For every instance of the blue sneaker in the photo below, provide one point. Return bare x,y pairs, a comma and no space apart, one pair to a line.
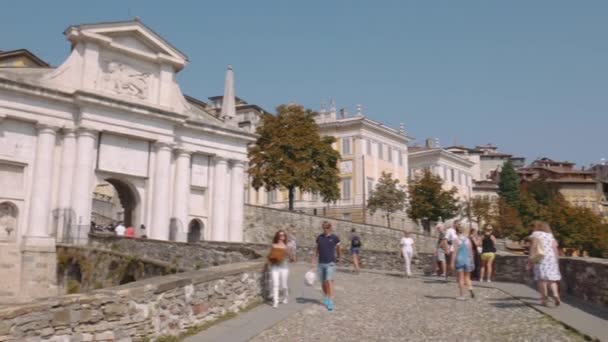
330,305
326,301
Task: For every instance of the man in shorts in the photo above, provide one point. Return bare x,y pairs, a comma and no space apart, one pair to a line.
327,253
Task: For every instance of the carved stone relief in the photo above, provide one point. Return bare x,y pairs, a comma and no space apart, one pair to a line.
123,79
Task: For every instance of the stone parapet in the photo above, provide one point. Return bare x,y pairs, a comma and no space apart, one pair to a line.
147,309
261,223
582,278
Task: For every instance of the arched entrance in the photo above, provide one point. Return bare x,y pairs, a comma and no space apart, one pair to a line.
8,220
114,200
195,231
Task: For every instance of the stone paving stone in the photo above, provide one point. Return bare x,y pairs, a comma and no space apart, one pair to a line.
375,307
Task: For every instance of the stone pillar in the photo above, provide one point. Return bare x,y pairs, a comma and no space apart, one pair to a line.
237,183
68,160
159,227
219,227
181,193
82,187
38,258
40,200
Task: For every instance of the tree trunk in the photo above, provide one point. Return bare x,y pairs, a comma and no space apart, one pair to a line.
292,191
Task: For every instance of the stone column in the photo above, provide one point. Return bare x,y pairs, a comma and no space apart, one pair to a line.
237,183
219,227
159,227
38,257
42,183
181,193
82,189
68,159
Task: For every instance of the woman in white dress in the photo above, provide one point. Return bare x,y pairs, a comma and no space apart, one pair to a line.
546,271
407,252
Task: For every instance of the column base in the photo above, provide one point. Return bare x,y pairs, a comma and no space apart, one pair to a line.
38,269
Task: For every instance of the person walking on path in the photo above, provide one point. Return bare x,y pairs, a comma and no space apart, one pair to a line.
327,254
407,252
476,241
279,270
546,269
488,253
292,244
440,255
463,261
120,229
450,236
355,249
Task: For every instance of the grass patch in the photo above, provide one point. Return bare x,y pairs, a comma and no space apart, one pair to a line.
202,327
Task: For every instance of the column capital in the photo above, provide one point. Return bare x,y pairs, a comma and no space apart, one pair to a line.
86,131
182,151
68,131
163,145
238,163
47,128
219,159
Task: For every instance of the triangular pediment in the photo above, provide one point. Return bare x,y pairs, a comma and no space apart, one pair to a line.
129,35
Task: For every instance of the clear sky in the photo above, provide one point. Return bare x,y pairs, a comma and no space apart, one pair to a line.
528,76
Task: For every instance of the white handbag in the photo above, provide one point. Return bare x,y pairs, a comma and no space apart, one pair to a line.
309,277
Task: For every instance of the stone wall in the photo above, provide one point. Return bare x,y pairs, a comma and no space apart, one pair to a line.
179,254
141,310
82,269
582,278
261,223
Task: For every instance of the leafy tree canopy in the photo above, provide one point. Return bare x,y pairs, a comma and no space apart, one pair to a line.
428,199
508,185
290,153
386,196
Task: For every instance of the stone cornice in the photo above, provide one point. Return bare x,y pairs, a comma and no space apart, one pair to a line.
218,130
441,153
367,123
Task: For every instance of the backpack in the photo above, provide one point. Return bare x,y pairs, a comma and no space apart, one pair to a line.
355,242
462,254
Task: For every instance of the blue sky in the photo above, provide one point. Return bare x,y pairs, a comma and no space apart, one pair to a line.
528,76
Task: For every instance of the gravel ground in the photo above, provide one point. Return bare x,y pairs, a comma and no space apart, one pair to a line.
375,307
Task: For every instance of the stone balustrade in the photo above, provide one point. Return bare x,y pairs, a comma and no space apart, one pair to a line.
142,310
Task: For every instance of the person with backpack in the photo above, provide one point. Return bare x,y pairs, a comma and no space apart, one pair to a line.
407,252
462,261
355,249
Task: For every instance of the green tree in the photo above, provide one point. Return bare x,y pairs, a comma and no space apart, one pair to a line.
386,196
507,222
428,200
481,209
508,185
290,153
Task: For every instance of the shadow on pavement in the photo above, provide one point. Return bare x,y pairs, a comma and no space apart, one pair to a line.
302,300
509,305
439,297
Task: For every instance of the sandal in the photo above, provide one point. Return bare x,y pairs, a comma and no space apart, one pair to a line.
543,301
557,300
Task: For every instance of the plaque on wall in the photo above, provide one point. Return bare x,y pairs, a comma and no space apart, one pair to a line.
200,171
123,155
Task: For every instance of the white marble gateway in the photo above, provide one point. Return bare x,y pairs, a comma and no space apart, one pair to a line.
113,112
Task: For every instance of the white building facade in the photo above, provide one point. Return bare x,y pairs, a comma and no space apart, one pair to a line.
113,112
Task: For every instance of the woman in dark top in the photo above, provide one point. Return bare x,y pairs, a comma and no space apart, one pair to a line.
476,241
488,250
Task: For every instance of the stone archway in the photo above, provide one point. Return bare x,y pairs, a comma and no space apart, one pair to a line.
195,231
114,200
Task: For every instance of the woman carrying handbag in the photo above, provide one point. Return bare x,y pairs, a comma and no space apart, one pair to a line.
279,269
544,260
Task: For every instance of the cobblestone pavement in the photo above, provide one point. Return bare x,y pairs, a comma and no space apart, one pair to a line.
375,307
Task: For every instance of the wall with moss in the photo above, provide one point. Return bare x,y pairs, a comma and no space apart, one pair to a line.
82,268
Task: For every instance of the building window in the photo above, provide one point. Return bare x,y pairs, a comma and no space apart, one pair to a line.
314,196
346,146
272,196
346,188
452,175
380,150
369,147
389,154
346,217
370,186
400,158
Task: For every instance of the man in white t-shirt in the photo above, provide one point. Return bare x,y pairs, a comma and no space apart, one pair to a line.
451,236
407,252
120,229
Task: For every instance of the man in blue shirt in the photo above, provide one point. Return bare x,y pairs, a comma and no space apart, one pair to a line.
327,254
